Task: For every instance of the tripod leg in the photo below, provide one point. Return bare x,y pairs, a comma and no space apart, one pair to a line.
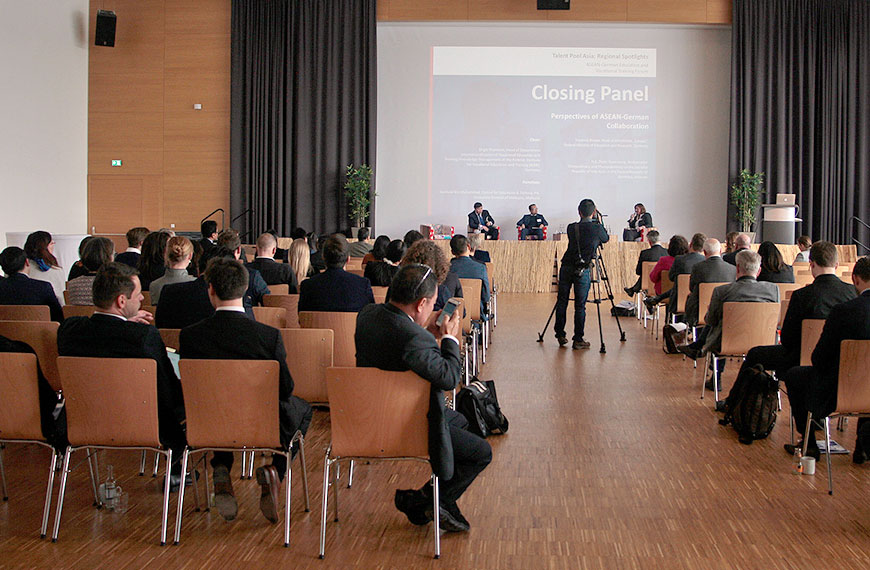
546,326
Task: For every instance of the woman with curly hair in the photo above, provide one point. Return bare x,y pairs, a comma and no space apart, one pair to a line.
426,252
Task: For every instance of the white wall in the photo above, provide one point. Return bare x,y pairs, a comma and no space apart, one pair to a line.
693,90
44,105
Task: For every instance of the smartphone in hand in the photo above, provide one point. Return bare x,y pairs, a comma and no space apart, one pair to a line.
448,310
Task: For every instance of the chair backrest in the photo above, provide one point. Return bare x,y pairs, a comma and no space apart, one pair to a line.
376,413
803,272
471,291
466,317
148,308
382,291
146,297
272,316
309,354
380,299
811,332
357,271
683,291
783,309
343,325
853,389
110,401
490,273
746,325
231,403
279,289
803,279
784,288
667,284
354,263
78,311
788,294
19,397
846,277
25,313
845,267
288,302
801,265
42,338
646,283
170,337
705,294
66,296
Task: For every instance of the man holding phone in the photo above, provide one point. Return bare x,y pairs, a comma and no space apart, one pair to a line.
400,335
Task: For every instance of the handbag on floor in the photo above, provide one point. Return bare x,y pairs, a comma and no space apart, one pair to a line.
478,402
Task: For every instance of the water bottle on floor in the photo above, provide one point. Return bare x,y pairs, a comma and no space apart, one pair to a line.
108,490
797,468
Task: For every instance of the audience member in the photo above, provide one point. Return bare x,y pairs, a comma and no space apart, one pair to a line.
466,268
19,289
412,236
804,244
39,249
273,273
653,253
97,253
773,269
198,253
335,289
280,254
360,247
183,304
427,252
152,262
230,334
78,268
179,253
683,265
315,245
230,245
379,250
381,273
814,388
741,242
730,241
209,231
712,270
676,246
401,335
300,259
135,237
477,254
298,233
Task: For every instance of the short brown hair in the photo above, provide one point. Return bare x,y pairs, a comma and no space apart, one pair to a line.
335,251
97,253
135,236
862,268
824,254
458,244
805,241
427,252
229,238
228,277
698,242
113,279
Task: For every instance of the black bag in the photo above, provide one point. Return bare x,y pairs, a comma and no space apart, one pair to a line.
617,311
673,338
751,404
478,402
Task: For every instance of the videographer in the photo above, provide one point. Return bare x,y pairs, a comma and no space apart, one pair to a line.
584,237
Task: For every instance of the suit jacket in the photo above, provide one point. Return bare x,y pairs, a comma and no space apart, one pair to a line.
275,273
653,254
183,304
731,257
387,339
106,336
359,249
711,270
474,220
745,289
233,336
591,235
784,275
683,265
317,262
814,301
533,222
645,221
466,268
380,273
207,246
335,290
450,288
130,258
19,289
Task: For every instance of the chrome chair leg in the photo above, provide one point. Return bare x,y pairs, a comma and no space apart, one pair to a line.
350,474
184,458
94,471
251,466
324,504
206,492
703,378
288,481
807,432
828,455
335,493
165,520
436,502
3,475
61,492
244,465
716,378
156,465
48,489
302,464
142,464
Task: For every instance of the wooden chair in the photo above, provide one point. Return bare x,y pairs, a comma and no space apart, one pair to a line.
380,299
279,289
42,338
66,296
683,291
803,279
646,289
20,416
811,332
783,309
744,326
272,316
170,337
146,297
667,285
471,291
789,293
111,403
845,267
493,286
25,313
705,294
376,415
359,271
846,277
353,263
379,291
853,394
288,302
309,354
785,288
342,324
232,405
78,311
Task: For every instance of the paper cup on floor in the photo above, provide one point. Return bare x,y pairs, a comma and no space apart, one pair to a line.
808,464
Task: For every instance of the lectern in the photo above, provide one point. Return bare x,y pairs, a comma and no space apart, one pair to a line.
778,224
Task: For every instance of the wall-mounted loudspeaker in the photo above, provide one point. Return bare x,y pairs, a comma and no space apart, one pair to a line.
105,31
554,4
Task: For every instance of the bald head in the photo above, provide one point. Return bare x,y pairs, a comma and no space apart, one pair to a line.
742,241
266,245
712,247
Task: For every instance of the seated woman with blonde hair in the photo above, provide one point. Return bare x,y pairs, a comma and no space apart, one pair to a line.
299,258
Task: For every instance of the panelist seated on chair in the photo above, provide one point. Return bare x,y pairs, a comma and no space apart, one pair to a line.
335,289
531,225
273,273
639,221
814,301
653,253
230,334
480,222
745,289
119,329
814,388
19,289
401,335
712,270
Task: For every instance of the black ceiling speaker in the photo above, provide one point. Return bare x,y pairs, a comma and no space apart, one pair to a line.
554,4
105,32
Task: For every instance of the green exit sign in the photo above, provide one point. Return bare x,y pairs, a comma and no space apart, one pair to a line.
116,163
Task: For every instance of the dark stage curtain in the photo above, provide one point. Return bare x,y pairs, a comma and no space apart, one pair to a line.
303,108
800,107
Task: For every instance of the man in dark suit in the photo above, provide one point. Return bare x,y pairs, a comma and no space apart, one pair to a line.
653,253
273,273
135,237
466,268
584,237
532,225
683,265
814,388
814,301
335,289
209,232
402,335
119,329
712,270
740,243
230,334
19,289
479,221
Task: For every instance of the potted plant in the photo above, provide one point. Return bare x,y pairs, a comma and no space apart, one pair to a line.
745,195
356,188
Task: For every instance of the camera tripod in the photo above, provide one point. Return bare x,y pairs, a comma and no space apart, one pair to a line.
598,275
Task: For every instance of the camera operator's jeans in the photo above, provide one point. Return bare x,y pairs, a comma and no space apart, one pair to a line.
581,284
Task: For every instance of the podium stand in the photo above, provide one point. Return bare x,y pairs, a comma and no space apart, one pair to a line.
778,224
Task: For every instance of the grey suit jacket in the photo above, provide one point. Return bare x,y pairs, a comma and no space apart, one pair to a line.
683,265
711,270
745,289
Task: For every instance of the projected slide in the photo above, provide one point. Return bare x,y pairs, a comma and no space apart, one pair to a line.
512,126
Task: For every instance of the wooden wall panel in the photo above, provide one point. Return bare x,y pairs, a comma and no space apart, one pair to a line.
195,183
671,11
198,16
505,10
592,11
138,37
428,11
118,203
125,93
135,161
719,11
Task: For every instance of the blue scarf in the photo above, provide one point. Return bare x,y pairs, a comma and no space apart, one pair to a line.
42,265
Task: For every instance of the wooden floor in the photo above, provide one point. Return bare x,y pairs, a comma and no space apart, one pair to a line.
612,461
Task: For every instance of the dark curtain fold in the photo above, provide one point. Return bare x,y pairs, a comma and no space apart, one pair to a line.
304,98
800,108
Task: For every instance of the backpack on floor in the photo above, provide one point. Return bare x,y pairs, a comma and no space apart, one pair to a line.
478,402
751,404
